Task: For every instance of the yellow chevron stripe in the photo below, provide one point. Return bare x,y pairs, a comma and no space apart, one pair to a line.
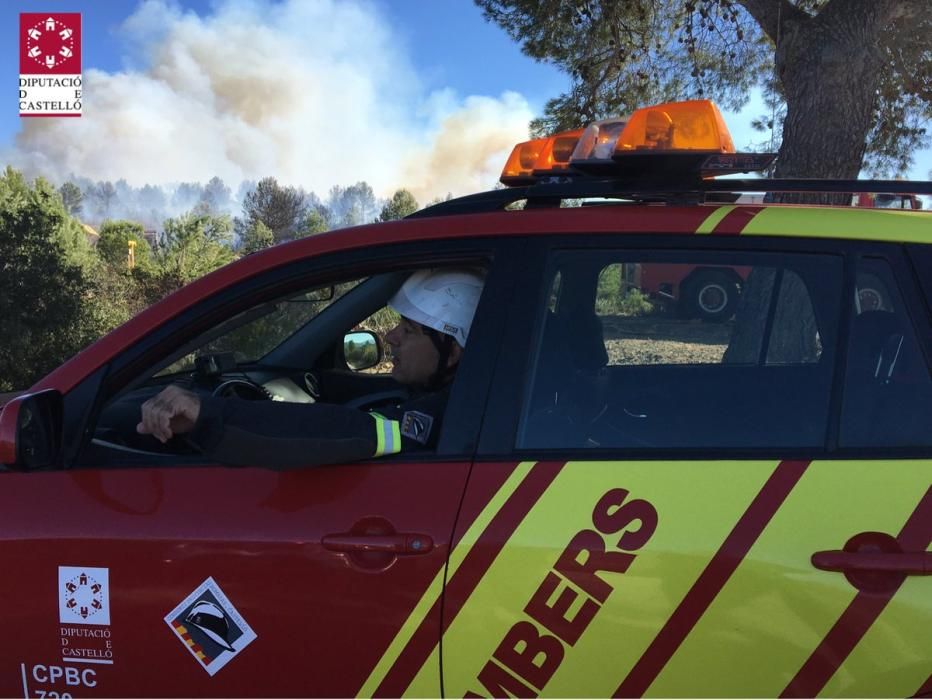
840,222
695,514
424,683
777,608
713,219
903,632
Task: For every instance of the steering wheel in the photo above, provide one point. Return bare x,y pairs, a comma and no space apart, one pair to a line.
242,389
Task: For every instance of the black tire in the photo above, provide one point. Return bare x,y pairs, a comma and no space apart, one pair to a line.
710,296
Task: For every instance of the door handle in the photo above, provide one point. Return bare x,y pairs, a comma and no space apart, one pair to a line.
909,563
395,543
874,562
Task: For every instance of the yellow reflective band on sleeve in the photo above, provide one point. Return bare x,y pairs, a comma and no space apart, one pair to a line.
713,219
387,436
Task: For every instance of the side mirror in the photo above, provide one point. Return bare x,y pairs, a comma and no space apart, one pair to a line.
361,350
31,431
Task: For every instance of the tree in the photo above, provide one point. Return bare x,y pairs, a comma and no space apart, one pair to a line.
280,208
256,237
151,202
317,220
71,197
399,206
353,205
216,197
102,197
44,284
187,195
854,76
449,195
113,245
193,245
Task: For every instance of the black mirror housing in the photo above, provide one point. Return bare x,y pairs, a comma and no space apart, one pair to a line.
31,431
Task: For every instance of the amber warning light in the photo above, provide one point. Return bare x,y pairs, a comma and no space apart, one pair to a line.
611,147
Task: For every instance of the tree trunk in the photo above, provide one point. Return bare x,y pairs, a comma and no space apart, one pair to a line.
830,68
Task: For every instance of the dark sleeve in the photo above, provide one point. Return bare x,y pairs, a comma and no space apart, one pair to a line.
419,420
279,435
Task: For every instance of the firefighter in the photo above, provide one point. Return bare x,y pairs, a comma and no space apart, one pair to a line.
436,309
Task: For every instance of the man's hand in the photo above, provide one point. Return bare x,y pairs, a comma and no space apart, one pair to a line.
169,413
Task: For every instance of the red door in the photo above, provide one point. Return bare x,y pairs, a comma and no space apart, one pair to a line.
211,581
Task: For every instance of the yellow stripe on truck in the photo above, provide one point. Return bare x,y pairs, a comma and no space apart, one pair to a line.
903,632
424,684
421,685
777,608
611,616
840,222
713,219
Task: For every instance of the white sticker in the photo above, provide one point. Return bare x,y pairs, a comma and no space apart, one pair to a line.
84,595
210,627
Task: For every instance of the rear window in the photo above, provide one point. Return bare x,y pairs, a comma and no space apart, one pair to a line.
677,350
888,389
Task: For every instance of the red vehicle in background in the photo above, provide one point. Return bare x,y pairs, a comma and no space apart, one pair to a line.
708,293
712,293
882,200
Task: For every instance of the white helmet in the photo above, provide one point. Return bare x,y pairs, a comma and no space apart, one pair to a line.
442,299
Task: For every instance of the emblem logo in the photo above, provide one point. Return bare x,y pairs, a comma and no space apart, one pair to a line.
50,43
84,595
210,627
50,80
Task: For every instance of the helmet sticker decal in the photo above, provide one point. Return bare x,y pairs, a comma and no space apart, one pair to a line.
210,627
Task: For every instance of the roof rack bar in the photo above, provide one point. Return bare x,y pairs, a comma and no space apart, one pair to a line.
683,191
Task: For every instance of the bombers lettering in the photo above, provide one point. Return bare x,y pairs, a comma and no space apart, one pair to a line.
533,648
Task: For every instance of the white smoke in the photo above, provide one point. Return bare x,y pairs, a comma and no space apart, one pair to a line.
312,92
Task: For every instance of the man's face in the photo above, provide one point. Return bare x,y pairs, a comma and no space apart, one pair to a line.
413,353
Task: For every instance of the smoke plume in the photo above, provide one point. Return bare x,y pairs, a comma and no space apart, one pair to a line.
313,93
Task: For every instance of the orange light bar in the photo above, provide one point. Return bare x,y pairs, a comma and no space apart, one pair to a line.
554,158
683,135
598,140
695,125
519,168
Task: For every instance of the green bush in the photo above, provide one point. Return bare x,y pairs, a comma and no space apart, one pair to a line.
614,297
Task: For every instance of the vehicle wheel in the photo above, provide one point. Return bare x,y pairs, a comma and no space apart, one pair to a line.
711,296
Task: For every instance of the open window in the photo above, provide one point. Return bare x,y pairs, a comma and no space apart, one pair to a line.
322,341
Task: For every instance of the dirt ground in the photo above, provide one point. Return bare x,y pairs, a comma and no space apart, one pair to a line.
664,340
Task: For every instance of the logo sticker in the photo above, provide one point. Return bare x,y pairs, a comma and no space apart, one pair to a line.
84,595
416,425
210,627
50,64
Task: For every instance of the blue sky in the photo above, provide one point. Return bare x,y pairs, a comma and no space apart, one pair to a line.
418,93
